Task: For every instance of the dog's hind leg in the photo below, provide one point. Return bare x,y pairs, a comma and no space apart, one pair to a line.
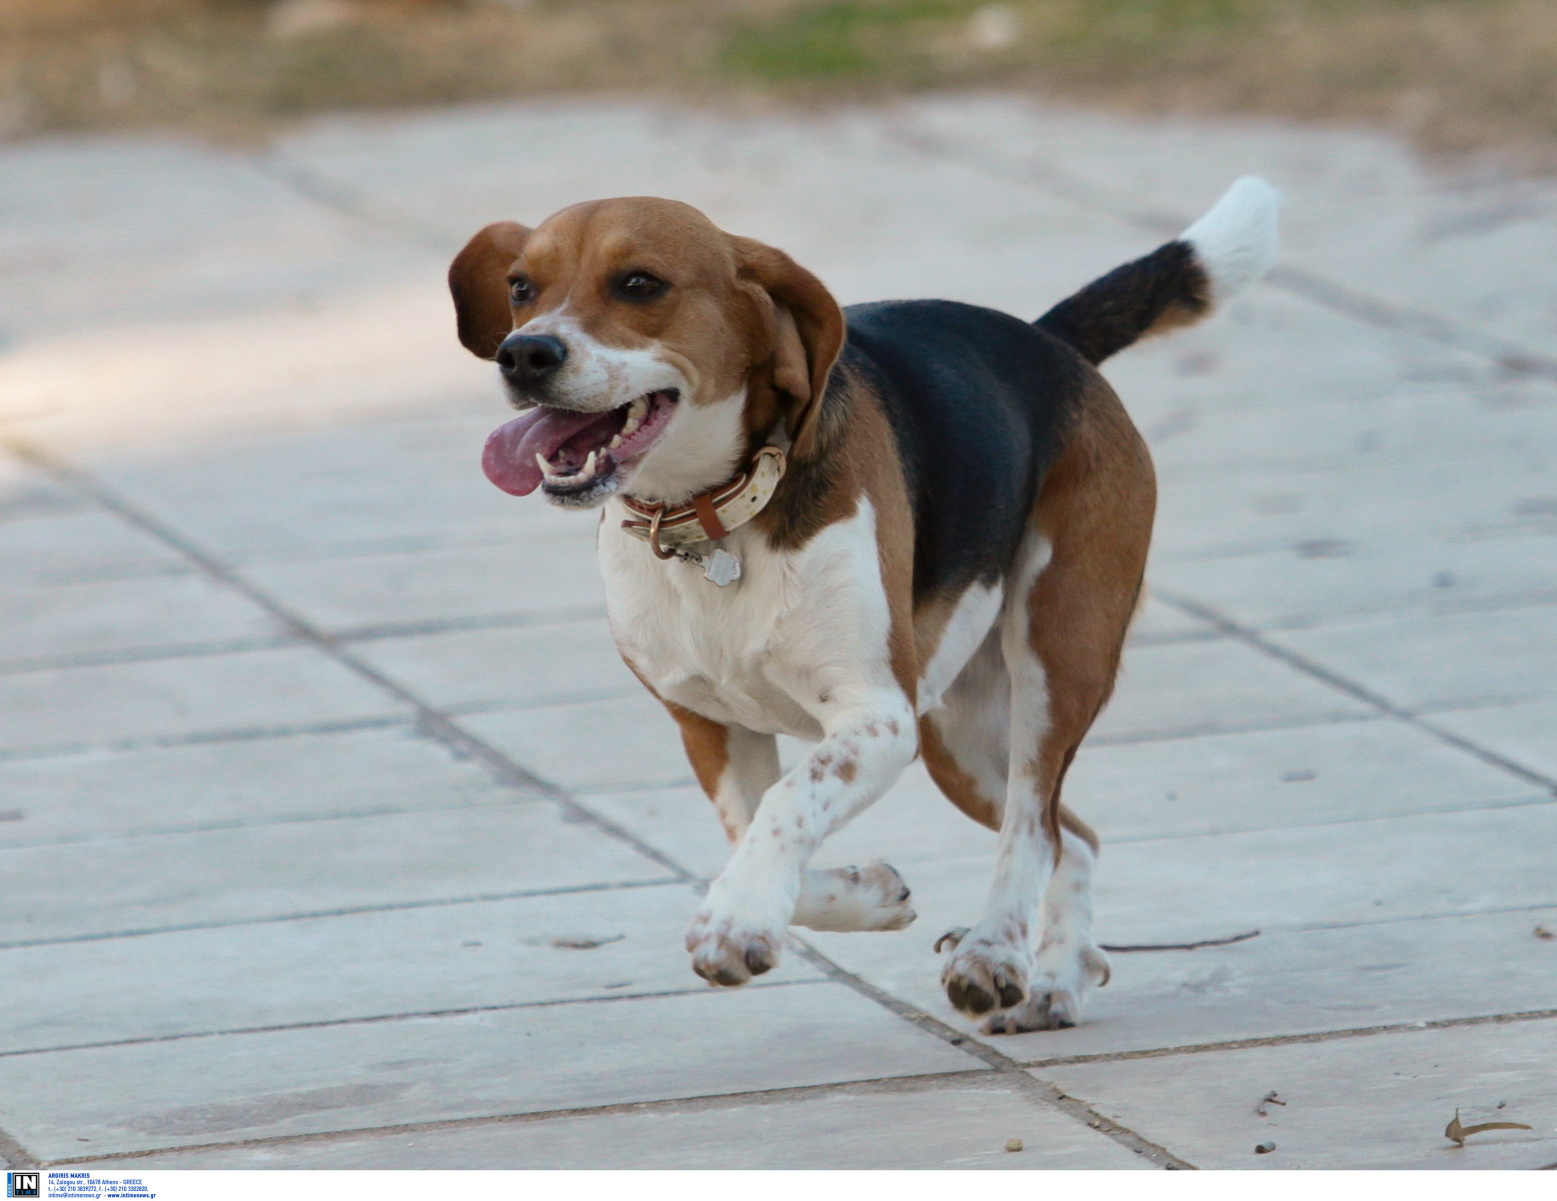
965,749
1069,961
1071,601
735,766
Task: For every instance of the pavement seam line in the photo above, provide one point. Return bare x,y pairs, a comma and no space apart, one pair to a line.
155,653
383,1018
345,911
696,1104
432,626
1317,671
1493,805
205,737
226,825
1290,1040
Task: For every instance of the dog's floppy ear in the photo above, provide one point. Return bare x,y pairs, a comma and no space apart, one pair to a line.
808,331
478,280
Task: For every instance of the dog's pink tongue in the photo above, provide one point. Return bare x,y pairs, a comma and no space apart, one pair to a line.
509,455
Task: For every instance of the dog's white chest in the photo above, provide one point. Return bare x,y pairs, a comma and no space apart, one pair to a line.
759,651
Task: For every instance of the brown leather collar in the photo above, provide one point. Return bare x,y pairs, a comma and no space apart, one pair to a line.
711,515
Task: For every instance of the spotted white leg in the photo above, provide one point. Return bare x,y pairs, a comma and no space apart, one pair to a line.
739,929
872,897
990,965
1069,961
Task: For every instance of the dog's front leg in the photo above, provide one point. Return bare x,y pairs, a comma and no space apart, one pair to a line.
739,929
736,767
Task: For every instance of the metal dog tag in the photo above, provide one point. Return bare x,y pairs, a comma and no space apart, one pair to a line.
722,567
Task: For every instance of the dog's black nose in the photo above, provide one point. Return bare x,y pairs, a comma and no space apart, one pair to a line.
527,359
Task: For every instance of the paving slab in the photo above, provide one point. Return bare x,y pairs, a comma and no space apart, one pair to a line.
1273,779
522,666
259,242
357,352
676,821
72,545
1223,514
1182,689
103,794
1453,660
119,618
187,697
531,578
959,1124
1380,1102
348,487
586,945
1200,423
350,1077
1526,734
222,877
1318,581
1169,889
592,746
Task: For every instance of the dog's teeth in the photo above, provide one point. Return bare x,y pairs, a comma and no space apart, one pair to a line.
588,470
615,442
540,461
639,408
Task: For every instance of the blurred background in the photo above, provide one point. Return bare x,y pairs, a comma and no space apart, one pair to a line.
1448,74
333,831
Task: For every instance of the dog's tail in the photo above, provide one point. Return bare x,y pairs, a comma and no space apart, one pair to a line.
1177,284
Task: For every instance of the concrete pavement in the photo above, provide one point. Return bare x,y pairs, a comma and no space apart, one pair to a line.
333,833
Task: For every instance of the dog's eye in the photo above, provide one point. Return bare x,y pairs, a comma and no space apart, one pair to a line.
520,291
639,285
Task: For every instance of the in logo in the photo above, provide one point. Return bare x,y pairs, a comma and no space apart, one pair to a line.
22,1184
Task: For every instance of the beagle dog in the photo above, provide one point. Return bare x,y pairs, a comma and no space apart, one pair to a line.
905,528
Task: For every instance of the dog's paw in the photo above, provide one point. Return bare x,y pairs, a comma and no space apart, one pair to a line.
1056,1009
873,897
730,943
1060,981
984,974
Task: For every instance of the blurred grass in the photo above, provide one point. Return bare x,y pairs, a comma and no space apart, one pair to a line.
1450,74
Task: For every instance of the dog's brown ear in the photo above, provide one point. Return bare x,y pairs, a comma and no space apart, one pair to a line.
478,280
808,334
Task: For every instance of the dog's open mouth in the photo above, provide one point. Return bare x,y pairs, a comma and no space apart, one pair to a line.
569,453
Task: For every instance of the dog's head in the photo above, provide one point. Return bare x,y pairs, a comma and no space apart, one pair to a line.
648,349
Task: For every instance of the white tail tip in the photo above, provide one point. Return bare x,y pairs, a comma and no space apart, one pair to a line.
1236,240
